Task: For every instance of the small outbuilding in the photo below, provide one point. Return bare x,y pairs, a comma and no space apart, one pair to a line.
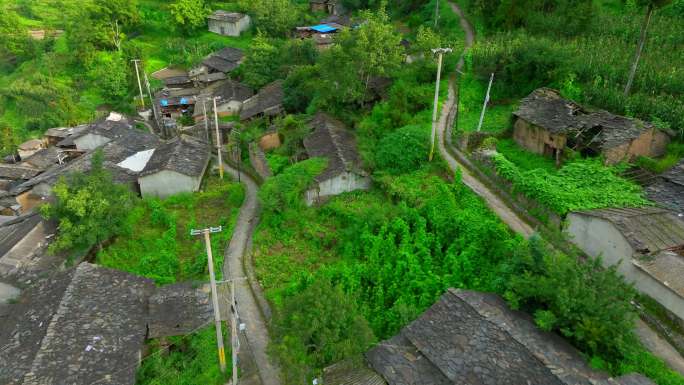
646,244
30,147
344,173
99,133
546,123
224,61
228,23
175,167
231,96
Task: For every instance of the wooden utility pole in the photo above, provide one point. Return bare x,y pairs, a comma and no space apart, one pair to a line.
640,48
137,74
486,100
234,342
439,52
218,139
436,12
214,294
206,122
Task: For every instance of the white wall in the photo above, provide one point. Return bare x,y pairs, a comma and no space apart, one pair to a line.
90,142
344,182
166,183
596,236
231,108
229,29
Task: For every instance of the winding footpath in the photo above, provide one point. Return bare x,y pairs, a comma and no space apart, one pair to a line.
653,342
256,333
492,200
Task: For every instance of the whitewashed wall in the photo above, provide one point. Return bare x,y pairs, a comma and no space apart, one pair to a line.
344,182
166,183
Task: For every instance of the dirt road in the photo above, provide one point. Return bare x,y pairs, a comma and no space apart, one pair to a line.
256,333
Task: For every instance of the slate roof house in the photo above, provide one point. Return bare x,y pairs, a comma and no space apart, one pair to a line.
232,95
473,338
35,190
668,189
224,61
82,326
344,173
228,23
268,102
176,166
95,135
546,124
647,245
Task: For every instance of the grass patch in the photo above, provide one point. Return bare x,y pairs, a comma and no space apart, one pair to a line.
471,96
525,160
675,153
159,245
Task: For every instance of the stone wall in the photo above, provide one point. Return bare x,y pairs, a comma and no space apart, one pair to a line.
258,161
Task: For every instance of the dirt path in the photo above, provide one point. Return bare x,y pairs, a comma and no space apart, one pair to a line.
256,333
653,342
493,201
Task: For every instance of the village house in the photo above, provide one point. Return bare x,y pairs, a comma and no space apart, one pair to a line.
344,173
268,102
96,134
228,23
668,189
474,338
329,6
182,81
547,124
224,61
55,135
646,244
176,166
231,96
36,190
91,317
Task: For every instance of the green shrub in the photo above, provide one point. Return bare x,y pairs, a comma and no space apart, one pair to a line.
403,150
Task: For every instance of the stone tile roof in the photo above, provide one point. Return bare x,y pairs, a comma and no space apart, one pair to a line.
82,326
230,17
331,140
648,230
129,143
187,156
268,101
474,338
13,231
230,90
178,309
16,172
224,60
666,267
351,373
668,189
177,81
43,159
546,108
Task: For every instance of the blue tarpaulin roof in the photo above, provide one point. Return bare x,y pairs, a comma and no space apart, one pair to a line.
184,101
164,103
323,28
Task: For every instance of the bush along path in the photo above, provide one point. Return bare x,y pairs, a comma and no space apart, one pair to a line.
657,345
256,333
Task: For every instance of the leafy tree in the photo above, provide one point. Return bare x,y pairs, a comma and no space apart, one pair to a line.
8,139
14,39
584,302
261,64
426,40
90,208
403,150
317,327
94,25
299,88
109,72
189,15
651,6
274,17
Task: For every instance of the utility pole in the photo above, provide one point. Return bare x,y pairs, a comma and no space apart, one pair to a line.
218,139
214,295
486,100
436,12
206,122
137,74
234,342
439,52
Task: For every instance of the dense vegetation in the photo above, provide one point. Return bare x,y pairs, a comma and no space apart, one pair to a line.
157,243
